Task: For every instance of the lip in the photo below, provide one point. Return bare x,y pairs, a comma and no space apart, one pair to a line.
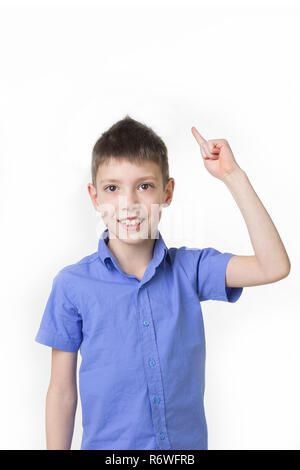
129,218
131,227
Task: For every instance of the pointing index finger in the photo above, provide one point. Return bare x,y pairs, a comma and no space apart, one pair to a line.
198,136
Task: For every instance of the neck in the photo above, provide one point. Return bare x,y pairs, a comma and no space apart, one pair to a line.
132,257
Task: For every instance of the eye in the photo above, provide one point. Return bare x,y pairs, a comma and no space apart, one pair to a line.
147,184
114,186
110,186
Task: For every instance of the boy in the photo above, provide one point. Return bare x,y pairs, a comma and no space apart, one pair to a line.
133,307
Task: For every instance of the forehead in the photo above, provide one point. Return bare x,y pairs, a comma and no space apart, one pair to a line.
125,170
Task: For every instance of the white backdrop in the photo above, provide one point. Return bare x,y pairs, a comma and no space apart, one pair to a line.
69,70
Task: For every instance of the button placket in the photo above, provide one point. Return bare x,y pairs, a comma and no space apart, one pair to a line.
153,369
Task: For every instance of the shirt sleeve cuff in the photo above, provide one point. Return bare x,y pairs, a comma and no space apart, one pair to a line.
227,294
56,341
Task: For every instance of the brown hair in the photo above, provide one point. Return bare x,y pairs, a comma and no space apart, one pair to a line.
134,141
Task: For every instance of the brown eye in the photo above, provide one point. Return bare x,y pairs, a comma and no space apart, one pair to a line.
147,184
110,186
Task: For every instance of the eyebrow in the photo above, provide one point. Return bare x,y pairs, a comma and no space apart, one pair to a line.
147,177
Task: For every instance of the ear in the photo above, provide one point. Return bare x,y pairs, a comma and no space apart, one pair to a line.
93,195
169,191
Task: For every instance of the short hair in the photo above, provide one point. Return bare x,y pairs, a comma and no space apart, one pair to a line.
134,141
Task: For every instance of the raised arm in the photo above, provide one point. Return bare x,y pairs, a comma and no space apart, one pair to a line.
61,401
270,263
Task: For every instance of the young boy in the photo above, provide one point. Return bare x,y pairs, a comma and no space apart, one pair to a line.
133,307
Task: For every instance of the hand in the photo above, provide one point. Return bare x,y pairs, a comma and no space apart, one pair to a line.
217,155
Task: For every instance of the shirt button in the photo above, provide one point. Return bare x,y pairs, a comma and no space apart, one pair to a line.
156,399
146,323
162,435
152,362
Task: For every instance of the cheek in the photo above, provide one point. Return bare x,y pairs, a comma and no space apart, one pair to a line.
155,204
107,210
155,211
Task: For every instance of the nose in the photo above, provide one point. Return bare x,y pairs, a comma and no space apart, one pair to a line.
132,197
129,203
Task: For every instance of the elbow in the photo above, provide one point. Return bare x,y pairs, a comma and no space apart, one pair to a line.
66,395
284,272
287,271
278,274
287,268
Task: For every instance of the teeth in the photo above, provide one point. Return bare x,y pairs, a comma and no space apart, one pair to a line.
131,222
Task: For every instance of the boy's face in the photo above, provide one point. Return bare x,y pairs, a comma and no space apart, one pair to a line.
126,189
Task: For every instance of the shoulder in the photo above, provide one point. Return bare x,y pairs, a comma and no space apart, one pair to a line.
82,263
191,258
183,253
184,258
84,267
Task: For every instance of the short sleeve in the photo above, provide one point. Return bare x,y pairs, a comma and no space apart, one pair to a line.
210,270
61,324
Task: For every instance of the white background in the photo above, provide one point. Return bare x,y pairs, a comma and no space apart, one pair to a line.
69,70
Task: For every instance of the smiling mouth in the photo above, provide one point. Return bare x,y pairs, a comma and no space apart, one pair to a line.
132,224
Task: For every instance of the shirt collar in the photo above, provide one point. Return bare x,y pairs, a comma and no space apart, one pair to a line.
159,253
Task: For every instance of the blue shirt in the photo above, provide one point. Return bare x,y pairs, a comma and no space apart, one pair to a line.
142,344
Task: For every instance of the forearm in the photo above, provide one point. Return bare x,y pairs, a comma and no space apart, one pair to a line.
60,417
267,245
